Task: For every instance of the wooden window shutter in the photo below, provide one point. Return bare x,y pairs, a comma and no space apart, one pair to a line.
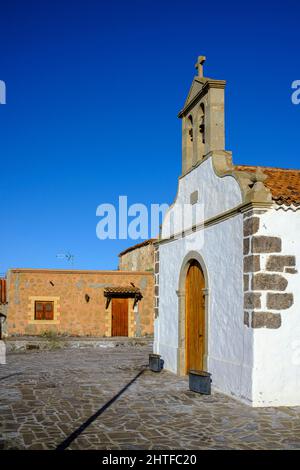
38,314
48,311
44,310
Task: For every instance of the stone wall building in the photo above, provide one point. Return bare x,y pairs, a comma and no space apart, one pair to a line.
139,257
83,303
227,281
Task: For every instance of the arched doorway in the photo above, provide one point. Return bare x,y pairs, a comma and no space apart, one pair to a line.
194,317
202,289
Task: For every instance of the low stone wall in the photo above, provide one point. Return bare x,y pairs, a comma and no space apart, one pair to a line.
29,344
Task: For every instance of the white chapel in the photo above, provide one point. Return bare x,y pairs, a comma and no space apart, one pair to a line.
227,293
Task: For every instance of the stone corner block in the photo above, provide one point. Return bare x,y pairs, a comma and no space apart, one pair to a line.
246,246
246,282
291,271
251,263
264,281
264,244
279,301
266,320
246,319
252,300
251,226
279,262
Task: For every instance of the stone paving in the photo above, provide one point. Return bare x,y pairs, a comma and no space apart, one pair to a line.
47,395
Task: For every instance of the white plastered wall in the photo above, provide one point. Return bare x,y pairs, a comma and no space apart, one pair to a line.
276,374
229,354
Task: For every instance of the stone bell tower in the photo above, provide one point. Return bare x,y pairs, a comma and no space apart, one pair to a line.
202,119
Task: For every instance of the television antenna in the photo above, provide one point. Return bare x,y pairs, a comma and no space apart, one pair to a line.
67,256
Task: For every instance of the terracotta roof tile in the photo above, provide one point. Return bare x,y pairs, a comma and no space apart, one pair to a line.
122,290
127,290
284,184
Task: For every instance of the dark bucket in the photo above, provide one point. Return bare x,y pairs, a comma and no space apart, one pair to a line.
155,362
200,381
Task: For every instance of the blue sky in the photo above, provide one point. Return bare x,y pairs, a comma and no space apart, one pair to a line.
93,92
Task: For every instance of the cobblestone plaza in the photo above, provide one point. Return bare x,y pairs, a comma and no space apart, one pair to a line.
45,396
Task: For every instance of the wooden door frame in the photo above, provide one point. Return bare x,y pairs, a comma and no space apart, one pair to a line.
131,318
181,353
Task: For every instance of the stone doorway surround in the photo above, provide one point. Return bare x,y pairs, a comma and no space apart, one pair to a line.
133,296
181,355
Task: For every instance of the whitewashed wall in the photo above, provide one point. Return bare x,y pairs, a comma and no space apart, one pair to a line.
216,194
276,377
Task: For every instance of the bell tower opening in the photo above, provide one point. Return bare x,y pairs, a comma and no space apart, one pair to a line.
188,140
201,132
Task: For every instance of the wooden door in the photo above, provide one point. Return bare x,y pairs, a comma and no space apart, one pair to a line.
195,317
119,321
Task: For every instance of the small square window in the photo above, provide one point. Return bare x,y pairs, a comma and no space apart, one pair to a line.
44,310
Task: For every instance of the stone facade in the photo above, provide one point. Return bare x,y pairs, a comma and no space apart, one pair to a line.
79,302
139,257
